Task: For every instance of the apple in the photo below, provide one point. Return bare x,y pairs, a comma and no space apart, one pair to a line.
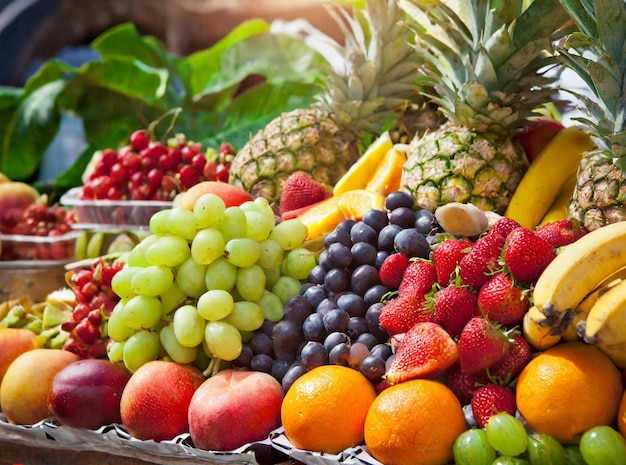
233,196
156,399
26,384
233,408
14,342
86,394
537,134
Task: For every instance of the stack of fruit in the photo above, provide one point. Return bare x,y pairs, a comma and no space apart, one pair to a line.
428,303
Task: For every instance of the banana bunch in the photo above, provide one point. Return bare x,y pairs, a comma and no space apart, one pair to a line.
581,295
548,176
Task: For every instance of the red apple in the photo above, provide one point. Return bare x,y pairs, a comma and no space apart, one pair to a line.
87,393
537,134
234,408
233,196
156,399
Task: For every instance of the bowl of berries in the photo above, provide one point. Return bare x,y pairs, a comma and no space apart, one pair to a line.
124,187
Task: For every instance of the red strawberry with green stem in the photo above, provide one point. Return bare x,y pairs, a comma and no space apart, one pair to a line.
561,232
452,307
526,254
502,301
504,226
408,308
392,270
511,365
446,257
482,259
426,351
491,399
464,385
481,344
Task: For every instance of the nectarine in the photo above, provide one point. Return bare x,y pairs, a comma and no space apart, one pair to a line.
14,342
233,196
156,399
26,384
87,393
233,408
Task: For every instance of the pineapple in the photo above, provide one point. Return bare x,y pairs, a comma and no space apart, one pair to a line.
374,89
486,69
597,54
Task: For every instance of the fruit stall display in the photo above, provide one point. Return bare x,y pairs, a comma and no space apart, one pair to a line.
411,261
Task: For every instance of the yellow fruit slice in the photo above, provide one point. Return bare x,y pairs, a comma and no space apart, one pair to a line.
324,217
388,175
360,173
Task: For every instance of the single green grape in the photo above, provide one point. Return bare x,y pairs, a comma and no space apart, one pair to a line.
286,287
182,222
208,210
257,226
223,340
174,349
246,316
271,254
207,246
152,280
142,312
242,251
215,304
299,262
272,275
271,305
220,274
168,250
171,299
250,282
141,348
473,448
115,352
573,456
602,445
117,328
233,223
121,281
188,326
190,278
543,449
289,233
507,434
158,222
137,256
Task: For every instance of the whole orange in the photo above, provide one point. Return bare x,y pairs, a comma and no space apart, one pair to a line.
414,423
621,416
568,389
324,410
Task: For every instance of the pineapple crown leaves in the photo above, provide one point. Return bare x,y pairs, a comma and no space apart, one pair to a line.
377,80
496,45
597,54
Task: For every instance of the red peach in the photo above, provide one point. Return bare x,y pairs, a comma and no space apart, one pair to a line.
14,342
234,408
233,196
156,399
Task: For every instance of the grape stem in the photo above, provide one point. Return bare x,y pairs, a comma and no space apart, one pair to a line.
213,368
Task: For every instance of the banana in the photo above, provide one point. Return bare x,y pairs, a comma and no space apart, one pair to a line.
546,175
606,321
616,352
579,269
537,329
558,209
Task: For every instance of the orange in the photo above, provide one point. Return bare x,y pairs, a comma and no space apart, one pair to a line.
414,423
621,416
324,409
569,389
387,177
324,216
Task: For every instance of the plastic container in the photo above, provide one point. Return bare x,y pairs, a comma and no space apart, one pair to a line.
112,214
33,278
39,248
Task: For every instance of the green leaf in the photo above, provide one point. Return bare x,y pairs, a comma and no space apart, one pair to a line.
29,131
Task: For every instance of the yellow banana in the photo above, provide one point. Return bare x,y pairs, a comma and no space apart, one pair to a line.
537,329
546,175
606,321
558,209
579,269
616,352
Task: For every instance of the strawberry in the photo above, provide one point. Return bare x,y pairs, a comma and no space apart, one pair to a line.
453,306
491,399
481,344
446,256
504,226
409,307
560,233
482,259
464,385
300,190
426,351
392,270
501,301
511,365
526,254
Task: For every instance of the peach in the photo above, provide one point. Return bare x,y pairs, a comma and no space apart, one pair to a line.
233,196
14,198
233,408
87,393
14,342
156,399
26,384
